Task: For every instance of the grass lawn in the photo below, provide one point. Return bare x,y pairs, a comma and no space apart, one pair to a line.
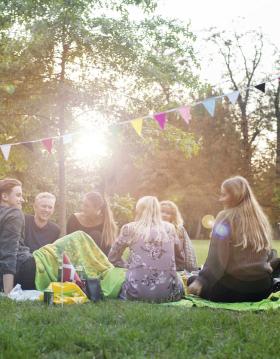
201,249
115,329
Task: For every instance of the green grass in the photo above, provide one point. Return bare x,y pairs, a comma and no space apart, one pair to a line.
115,329
201,249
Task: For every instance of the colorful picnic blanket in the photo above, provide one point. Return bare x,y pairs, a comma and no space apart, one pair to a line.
81,250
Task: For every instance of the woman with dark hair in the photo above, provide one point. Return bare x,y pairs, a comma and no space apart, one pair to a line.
95,219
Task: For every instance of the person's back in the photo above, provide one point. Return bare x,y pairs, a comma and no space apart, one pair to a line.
246,264
231,260
237,267
151,274
152,268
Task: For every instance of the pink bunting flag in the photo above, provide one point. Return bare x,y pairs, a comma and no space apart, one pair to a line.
161,118
48,143
185,112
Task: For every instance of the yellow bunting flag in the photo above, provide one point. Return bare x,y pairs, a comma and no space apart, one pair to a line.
137,125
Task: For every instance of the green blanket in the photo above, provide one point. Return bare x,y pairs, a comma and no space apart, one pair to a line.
113,279
272,302
81,250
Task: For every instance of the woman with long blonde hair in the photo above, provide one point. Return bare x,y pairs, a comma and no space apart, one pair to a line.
170,213
151,274
237,267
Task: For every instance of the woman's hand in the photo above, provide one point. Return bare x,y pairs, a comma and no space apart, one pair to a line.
195,288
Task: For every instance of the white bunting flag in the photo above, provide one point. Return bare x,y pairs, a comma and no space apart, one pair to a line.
67,138
233,96
6,151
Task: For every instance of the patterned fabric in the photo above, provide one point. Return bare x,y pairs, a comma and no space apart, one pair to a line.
151,273
189,261
81,250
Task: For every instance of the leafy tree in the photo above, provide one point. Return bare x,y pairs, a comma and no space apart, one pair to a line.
233,49
65,57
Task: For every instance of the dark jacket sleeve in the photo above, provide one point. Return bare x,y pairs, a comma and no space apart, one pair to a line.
11,231
218,255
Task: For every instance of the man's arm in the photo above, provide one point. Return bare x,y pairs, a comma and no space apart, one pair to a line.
11,232
8,283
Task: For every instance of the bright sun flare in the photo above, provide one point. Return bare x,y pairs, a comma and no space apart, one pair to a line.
91,147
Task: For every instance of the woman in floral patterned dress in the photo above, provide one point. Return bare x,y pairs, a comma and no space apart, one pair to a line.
151,274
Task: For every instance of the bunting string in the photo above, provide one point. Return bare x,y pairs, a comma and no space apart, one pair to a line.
137,123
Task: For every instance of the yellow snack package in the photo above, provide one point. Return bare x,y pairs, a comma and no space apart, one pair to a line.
67,293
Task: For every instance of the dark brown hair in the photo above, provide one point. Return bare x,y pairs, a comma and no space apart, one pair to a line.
7,184
109,226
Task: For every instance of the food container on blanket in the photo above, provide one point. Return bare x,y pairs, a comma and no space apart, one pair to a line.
48,297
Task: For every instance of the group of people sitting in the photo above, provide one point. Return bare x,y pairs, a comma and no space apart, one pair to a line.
238,267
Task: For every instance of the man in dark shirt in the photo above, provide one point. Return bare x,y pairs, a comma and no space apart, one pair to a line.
39,230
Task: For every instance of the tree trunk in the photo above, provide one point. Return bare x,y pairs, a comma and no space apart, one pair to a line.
246,147
277,114
61,155
61,181
198,229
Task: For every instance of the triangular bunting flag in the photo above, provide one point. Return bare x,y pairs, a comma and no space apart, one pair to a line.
210,104
69,272
185,112
67,138
6,151
233,96
137,125
261,87
48,143
28,145
161,118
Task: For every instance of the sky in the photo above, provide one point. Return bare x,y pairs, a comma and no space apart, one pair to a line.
220,13
239,15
